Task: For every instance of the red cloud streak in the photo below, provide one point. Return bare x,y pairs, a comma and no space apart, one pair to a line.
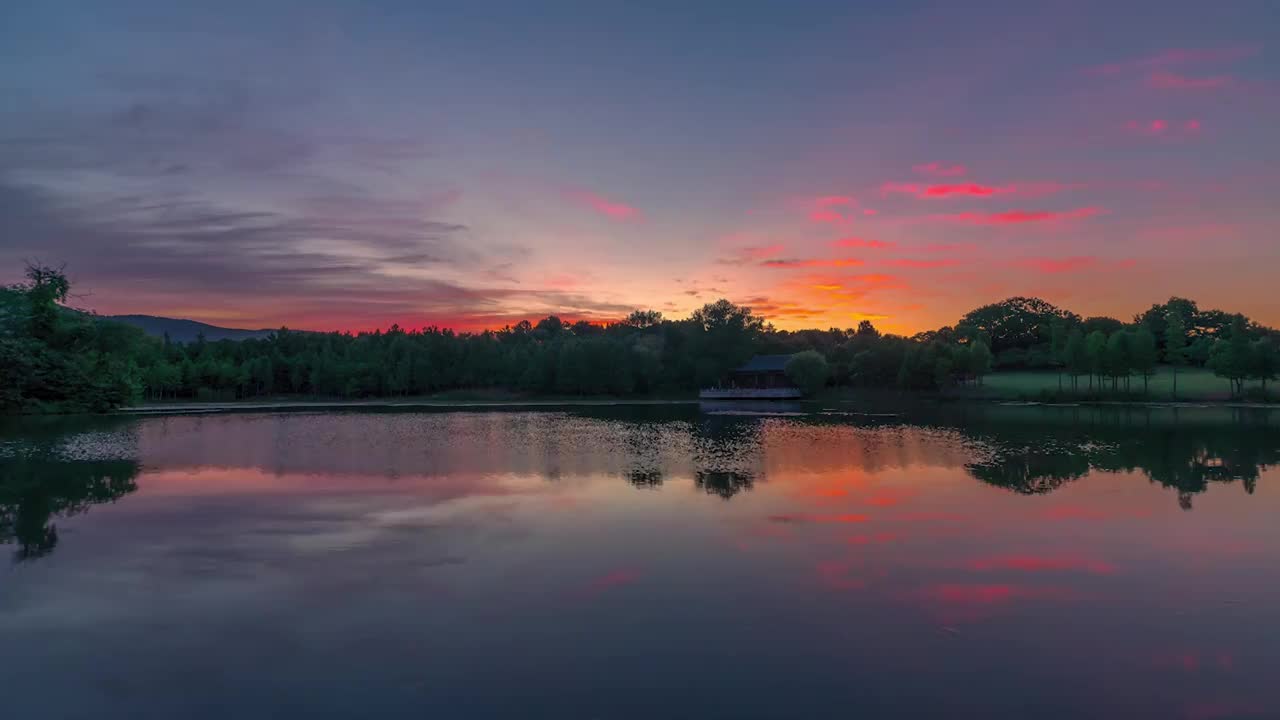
1015,217
921,264
970,189
794,263
1174,81
1037,563
604,206
853,242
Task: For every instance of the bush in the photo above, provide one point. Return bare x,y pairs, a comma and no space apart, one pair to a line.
808,370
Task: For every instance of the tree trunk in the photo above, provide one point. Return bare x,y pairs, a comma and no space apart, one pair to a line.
1175,382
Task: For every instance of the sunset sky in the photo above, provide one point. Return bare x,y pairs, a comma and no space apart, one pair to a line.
343,165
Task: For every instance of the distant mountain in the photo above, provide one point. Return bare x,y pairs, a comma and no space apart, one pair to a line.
185,331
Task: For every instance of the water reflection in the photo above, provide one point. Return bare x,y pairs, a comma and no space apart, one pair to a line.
34,490
52,468
1186,458
1007,561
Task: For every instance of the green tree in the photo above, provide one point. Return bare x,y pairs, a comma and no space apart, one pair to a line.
979,360
1095,350
1016,324
1077,357
1265,357
808,370
643,319
1232,358
46,289
1143,355
1175,345
1118,358
1058,345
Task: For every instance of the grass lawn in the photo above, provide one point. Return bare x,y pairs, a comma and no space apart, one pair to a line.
1193,384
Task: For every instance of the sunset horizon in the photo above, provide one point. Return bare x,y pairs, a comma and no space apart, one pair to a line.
354,167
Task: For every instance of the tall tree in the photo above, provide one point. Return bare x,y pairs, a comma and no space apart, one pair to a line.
1265,357
1143,355
1077,358
1058,345
979,360
1095,350
1175,345
1119,362
1231,358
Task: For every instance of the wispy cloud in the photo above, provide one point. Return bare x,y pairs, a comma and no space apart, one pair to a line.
604,206
1175,81
856,242
1163,128
790,263
830,208
1177,57
964,190
1016,217
922,264
975,190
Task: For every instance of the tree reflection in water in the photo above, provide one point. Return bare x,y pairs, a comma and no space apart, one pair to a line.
1186,459
34,491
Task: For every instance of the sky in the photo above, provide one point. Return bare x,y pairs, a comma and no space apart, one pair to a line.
335,165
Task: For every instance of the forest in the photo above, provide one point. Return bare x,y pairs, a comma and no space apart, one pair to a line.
54,358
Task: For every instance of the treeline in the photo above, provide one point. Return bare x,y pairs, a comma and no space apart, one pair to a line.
56,359
1110,354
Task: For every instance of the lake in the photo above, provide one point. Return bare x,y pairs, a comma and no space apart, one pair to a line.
643,562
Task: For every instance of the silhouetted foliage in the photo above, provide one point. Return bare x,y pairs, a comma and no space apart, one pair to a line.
808,370
55,359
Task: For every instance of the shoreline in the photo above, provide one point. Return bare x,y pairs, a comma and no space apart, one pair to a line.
238,406
445,404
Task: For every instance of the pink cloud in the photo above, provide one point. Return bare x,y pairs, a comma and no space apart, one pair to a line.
922,264
976,190
967,189
1037,563
789,263
1015,217
854,242
1177,56
1174,81
826,208
1163,128
604,206
759,253
898,187
937,169
613,579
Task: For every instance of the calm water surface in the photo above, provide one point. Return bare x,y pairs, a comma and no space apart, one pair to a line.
993,562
